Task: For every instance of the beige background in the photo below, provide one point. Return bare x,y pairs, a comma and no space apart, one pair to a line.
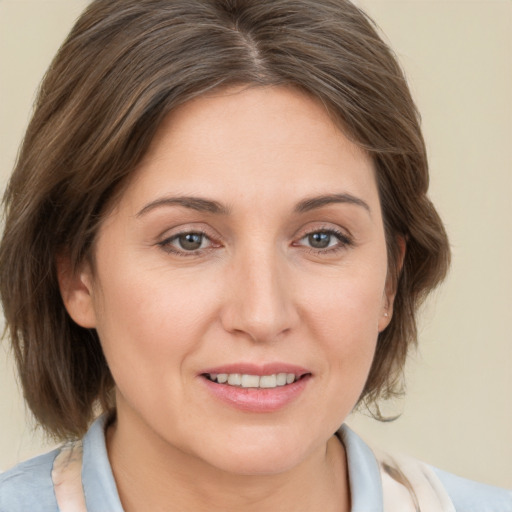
458,57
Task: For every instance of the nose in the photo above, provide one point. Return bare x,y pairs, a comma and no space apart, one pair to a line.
260,300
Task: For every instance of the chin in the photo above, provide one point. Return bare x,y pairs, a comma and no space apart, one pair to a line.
263,462
262,453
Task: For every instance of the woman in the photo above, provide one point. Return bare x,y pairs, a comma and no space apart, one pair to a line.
217,235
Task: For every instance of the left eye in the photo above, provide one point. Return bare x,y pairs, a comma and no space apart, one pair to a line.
324,240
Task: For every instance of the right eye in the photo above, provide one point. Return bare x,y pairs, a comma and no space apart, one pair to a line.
186,243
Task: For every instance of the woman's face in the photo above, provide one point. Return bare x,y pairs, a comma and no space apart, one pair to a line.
249,246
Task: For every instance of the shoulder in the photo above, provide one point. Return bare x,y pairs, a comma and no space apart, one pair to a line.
382,481
28,486
453,493
470,496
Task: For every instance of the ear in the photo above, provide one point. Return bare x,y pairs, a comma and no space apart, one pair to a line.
77,292
390,290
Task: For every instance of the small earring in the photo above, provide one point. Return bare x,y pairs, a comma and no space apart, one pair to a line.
386,315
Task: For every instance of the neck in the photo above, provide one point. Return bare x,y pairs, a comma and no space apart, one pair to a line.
153,475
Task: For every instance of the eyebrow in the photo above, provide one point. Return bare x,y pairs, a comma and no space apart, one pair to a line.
210,206
317,202
194,203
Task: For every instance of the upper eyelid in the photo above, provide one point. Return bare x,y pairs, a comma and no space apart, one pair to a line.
185,229
215,237
172,238
325,228
341,237
170,233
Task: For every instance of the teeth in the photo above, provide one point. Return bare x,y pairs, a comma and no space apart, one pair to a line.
235,379
268,381
250,381
281,379
253,381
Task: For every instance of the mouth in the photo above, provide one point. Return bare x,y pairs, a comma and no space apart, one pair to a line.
245,380
256,388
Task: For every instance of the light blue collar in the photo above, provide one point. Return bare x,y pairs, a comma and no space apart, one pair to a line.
97,478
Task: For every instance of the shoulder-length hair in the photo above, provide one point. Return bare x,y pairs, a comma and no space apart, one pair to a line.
125,65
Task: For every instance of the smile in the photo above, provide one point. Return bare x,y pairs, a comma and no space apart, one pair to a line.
253,381
253,388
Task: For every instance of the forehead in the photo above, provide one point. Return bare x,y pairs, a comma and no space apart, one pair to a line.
277,141
246,114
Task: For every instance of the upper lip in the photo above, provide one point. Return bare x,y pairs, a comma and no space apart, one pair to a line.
257,369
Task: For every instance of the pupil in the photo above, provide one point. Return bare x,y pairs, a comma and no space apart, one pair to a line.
190,241
319,240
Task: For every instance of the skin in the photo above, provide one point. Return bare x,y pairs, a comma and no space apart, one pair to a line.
255,291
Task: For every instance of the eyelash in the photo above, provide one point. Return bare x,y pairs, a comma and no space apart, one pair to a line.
167,246
344,241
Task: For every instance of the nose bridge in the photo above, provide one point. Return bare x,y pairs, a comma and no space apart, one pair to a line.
261,304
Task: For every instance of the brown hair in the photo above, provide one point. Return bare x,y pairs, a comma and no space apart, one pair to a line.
124,66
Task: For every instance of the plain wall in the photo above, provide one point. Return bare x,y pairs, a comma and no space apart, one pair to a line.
458,57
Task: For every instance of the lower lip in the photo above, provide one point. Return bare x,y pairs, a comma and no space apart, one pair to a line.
257,399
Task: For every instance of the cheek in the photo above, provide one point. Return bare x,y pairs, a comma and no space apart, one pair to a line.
347,303
150,327
339,315
149,309
351,336
343,315
146,318
154,323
